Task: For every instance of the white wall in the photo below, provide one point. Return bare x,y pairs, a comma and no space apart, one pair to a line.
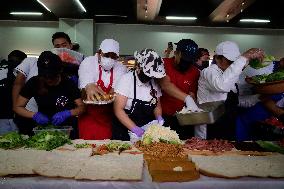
137,37
30,37
35,37
80,31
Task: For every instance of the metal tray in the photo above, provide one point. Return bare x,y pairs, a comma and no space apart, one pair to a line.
212,112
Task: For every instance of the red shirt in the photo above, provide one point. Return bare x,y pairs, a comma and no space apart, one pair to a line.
186,82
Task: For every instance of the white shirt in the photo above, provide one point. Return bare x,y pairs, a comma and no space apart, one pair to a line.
125,87
214,84
89,72
28,67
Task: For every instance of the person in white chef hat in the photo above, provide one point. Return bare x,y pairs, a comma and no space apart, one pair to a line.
137,99
98,76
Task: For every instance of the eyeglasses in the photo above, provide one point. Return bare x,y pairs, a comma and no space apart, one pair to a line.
111,55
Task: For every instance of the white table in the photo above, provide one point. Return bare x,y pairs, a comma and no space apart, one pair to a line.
202,183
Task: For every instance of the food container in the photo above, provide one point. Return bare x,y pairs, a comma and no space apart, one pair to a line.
68,55
274,87
65,129
212,112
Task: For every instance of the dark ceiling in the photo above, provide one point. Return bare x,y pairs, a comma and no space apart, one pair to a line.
261,9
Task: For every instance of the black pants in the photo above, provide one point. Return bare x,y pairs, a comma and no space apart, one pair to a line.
184,132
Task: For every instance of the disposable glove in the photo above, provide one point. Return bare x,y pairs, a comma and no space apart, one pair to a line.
191,105
60,117
138,131
160,120
40,118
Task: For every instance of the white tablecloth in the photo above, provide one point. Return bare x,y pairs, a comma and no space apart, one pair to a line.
202,183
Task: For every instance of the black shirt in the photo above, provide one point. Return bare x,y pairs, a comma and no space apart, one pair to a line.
58,98
6,85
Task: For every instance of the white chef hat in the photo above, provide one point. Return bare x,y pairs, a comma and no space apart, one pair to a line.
110,45
228,49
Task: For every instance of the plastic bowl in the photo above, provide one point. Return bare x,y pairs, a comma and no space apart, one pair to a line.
65,129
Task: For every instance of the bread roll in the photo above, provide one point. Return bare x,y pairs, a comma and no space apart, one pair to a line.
233,166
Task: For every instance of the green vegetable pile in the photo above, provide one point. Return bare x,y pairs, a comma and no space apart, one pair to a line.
84,145
48,140
44,127
12,140
118,146
276,76
149,140
268,145
259,78
256,64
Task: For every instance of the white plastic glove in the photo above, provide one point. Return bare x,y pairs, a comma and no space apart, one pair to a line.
191,105
247,101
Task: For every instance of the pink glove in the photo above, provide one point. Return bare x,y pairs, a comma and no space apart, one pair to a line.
138,131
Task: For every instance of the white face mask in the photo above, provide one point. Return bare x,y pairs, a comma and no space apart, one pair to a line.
107,63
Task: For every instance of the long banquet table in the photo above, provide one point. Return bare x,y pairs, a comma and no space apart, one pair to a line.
203,182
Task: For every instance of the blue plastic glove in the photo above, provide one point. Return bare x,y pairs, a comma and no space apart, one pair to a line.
40,118
161,120
138,131
60,117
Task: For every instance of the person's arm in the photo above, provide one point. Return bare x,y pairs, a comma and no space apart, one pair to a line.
20,109
158,109
18,85
80,107
271,106
119,105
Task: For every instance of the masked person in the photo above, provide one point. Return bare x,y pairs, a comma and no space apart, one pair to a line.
217,83
179,86
58,98
202,58
7,79
98,76
137,99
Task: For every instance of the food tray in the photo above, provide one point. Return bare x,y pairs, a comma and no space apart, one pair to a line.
65,129
98,102
212,112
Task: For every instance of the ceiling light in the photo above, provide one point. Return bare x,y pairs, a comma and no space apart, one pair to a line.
110,15
255,20
80,5
180,18
43,5
27,13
